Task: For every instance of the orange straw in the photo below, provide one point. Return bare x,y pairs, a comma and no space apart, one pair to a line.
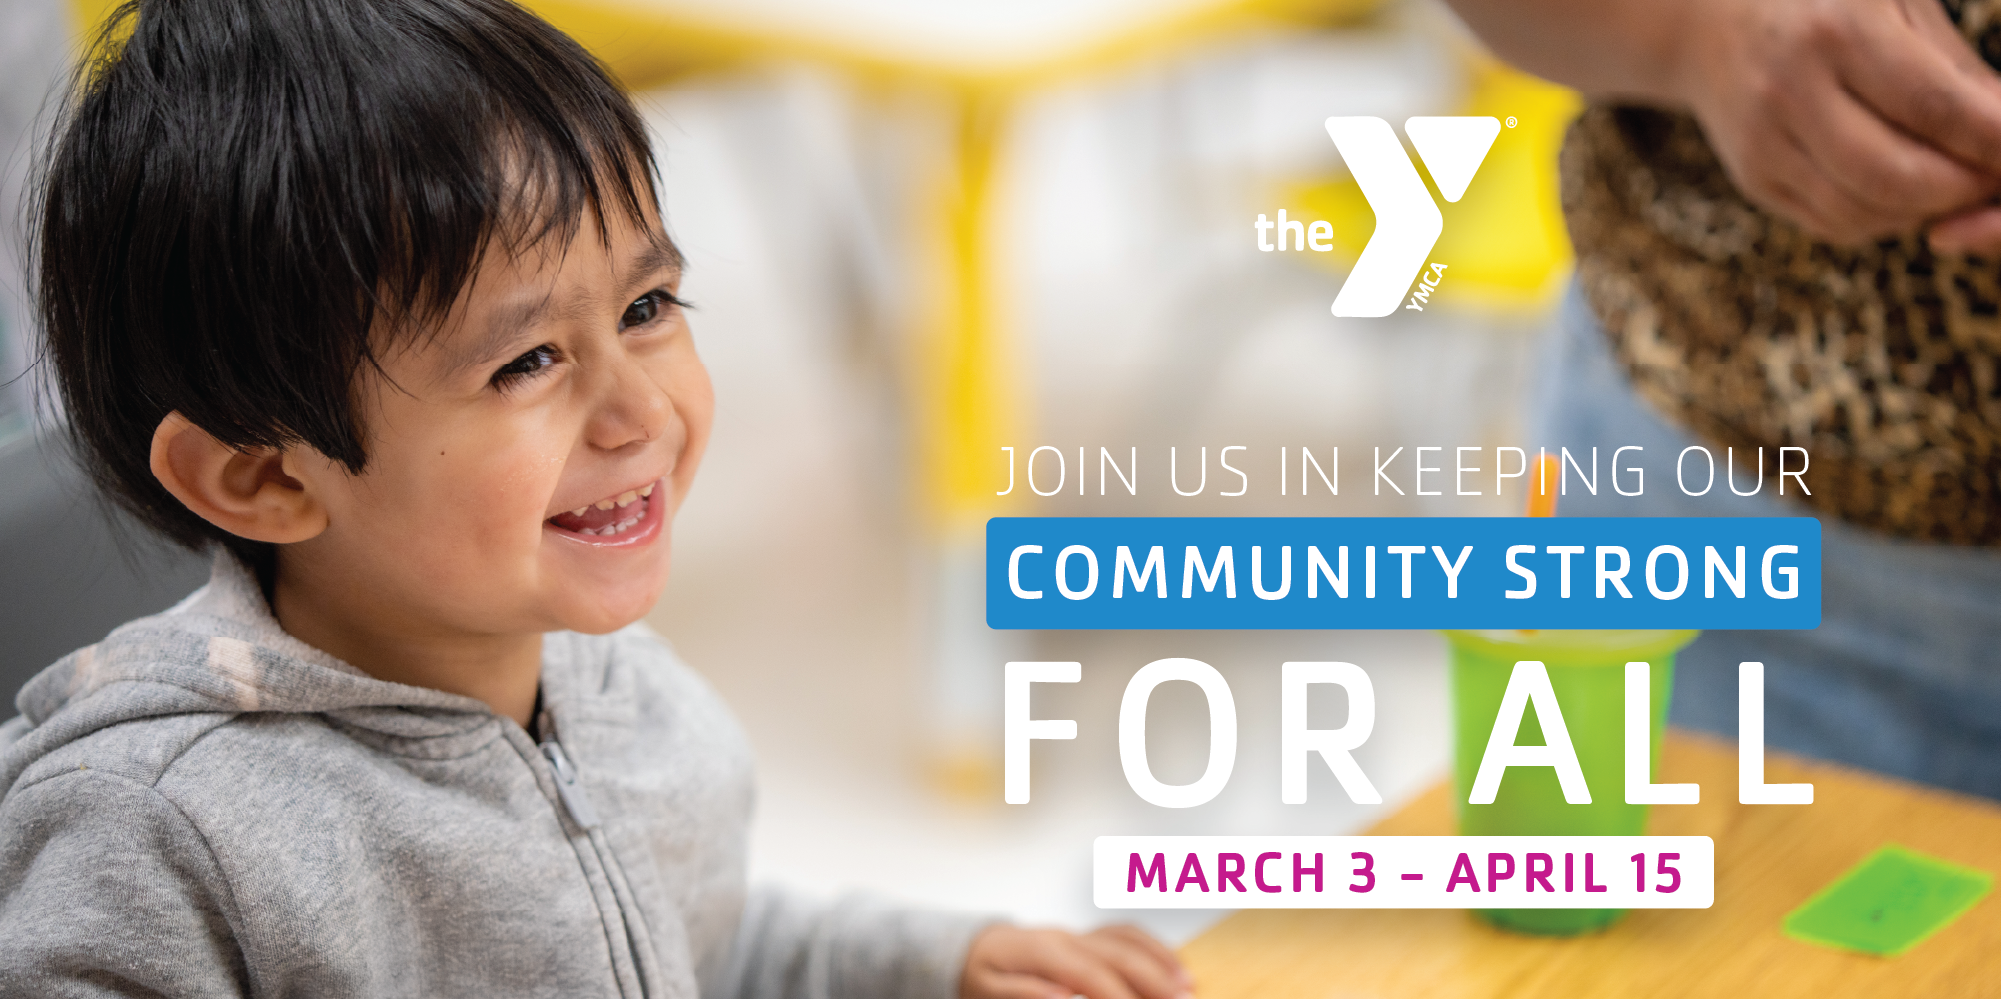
1542,493
1542,496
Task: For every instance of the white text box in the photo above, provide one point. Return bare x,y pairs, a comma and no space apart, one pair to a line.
1403,872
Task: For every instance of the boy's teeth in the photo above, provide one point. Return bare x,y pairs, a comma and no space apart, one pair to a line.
594,514
610,529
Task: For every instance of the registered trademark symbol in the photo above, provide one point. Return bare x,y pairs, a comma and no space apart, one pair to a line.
1511,121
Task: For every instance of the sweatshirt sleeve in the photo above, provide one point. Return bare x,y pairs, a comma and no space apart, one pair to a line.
791,948
106,889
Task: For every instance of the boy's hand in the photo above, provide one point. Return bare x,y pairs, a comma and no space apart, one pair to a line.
1116,962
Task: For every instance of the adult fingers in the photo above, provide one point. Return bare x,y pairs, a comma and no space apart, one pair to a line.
1976,231
1897,181
1776,172
1907,62
1821,208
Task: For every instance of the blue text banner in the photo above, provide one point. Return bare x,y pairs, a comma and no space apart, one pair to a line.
1403,572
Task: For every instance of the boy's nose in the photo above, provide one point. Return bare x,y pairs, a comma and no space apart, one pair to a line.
635,409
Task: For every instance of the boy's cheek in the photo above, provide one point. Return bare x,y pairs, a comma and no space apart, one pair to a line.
695,405
463,527
498,481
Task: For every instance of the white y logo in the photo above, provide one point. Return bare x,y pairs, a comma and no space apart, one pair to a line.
1407,221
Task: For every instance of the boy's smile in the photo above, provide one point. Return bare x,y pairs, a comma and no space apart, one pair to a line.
627,518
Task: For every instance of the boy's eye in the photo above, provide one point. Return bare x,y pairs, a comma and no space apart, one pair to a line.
647,308
526,366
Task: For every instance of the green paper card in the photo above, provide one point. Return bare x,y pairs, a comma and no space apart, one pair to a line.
1888,903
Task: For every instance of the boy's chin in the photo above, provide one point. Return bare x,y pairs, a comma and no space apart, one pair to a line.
597,606
604,619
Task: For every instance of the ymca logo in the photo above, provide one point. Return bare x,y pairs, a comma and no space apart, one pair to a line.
1407,220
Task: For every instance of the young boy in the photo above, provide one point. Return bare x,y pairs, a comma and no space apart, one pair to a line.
373,298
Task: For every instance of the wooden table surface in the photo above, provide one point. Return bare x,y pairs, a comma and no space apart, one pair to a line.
1769,859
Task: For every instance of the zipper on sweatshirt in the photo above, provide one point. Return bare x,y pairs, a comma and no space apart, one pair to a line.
570,790
567,786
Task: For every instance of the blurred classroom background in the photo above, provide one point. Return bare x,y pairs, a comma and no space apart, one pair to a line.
919,232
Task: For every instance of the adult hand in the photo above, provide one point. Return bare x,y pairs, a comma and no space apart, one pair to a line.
1117,962
1857,119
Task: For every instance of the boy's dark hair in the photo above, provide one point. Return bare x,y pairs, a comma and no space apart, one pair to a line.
237,190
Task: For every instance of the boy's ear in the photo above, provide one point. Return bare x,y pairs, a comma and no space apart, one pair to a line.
248,493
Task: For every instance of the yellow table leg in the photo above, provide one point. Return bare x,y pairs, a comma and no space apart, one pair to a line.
966,406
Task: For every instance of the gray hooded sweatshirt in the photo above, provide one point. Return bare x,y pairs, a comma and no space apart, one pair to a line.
202,805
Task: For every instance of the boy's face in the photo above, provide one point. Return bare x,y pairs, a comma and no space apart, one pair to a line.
525,461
